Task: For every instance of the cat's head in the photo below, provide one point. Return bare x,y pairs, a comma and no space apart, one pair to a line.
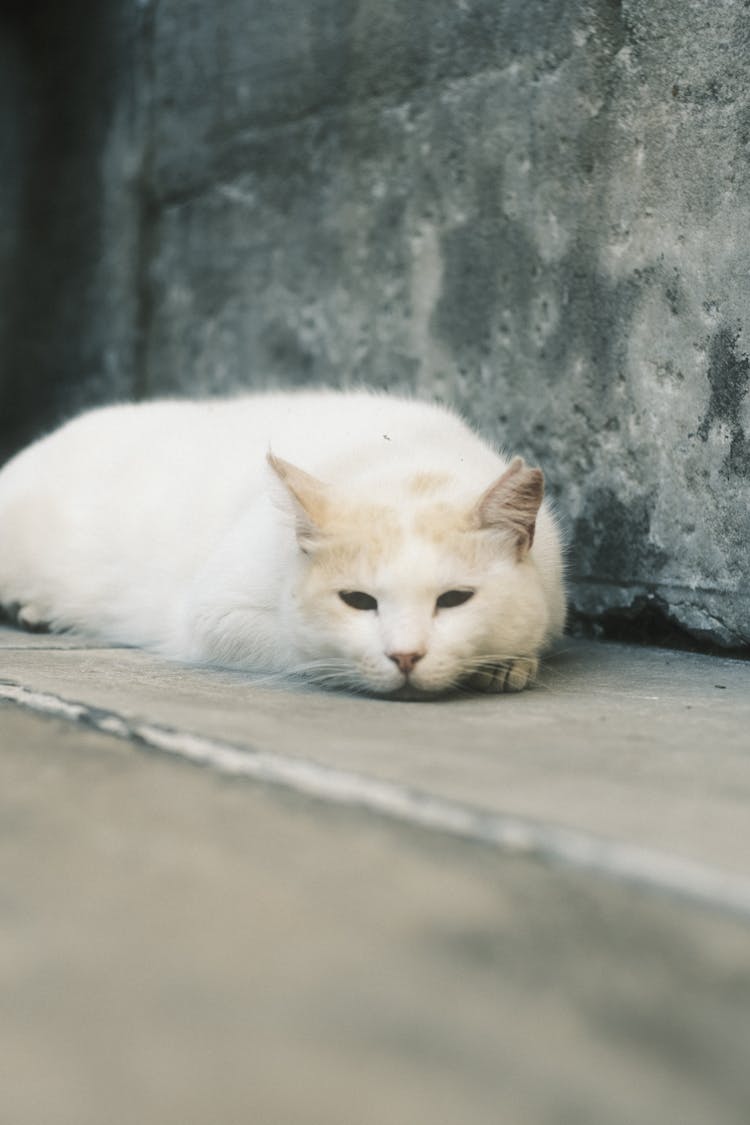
420,588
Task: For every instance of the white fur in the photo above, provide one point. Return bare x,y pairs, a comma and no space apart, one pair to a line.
161,525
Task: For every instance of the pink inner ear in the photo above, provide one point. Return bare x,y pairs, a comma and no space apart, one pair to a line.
309,499
307,491
511,504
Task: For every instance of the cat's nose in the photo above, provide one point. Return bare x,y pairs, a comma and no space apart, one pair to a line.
405,660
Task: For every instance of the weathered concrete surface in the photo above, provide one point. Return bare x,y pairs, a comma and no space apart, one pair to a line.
645,746
178,947
13,146
71,144
535,210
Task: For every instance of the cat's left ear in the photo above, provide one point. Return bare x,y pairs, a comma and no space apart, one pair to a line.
511,504
308,498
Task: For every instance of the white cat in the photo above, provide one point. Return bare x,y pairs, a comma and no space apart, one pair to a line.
396,550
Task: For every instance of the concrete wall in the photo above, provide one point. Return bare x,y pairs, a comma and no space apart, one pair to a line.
70,202
535,209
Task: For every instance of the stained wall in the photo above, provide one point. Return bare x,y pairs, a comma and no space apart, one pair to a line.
537,210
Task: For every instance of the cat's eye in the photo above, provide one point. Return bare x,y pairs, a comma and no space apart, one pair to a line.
452,598
357,600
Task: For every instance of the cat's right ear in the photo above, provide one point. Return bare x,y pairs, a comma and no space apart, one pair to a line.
511,504
307,497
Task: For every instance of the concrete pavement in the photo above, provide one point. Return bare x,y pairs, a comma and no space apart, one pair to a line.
526,909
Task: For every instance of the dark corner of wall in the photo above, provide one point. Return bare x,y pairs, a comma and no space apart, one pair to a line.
64,107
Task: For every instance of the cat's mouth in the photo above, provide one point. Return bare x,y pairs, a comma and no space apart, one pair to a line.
410,693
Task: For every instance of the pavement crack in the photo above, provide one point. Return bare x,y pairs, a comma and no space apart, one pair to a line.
617,861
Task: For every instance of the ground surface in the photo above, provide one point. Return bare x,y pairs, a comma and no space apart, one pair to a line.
527,909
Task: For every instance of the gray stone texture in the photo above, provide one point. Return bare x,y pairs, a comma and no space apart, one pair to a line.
71,136
534,209
621,742
182,946
177,950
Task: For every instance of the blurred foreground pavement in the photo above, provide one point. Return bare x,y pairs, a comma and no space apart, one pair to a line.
516,910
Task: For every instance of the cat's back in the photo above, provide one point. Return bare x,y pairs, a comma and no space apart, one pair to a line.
312,421
207,456
149,471
360,432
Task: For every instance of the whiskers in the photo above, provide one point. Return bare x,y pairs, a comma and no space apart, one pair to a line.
330,674
489,660
491,672
551,674
333,674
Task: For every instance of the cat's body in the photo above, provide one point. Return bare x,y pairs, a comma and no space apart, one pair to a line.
164,525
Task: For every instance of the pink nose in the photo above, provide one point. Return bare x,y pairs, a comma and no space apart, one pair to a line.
405,660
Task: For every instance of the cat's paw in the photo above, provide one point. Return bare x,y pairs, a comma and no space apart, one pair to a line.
512,675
